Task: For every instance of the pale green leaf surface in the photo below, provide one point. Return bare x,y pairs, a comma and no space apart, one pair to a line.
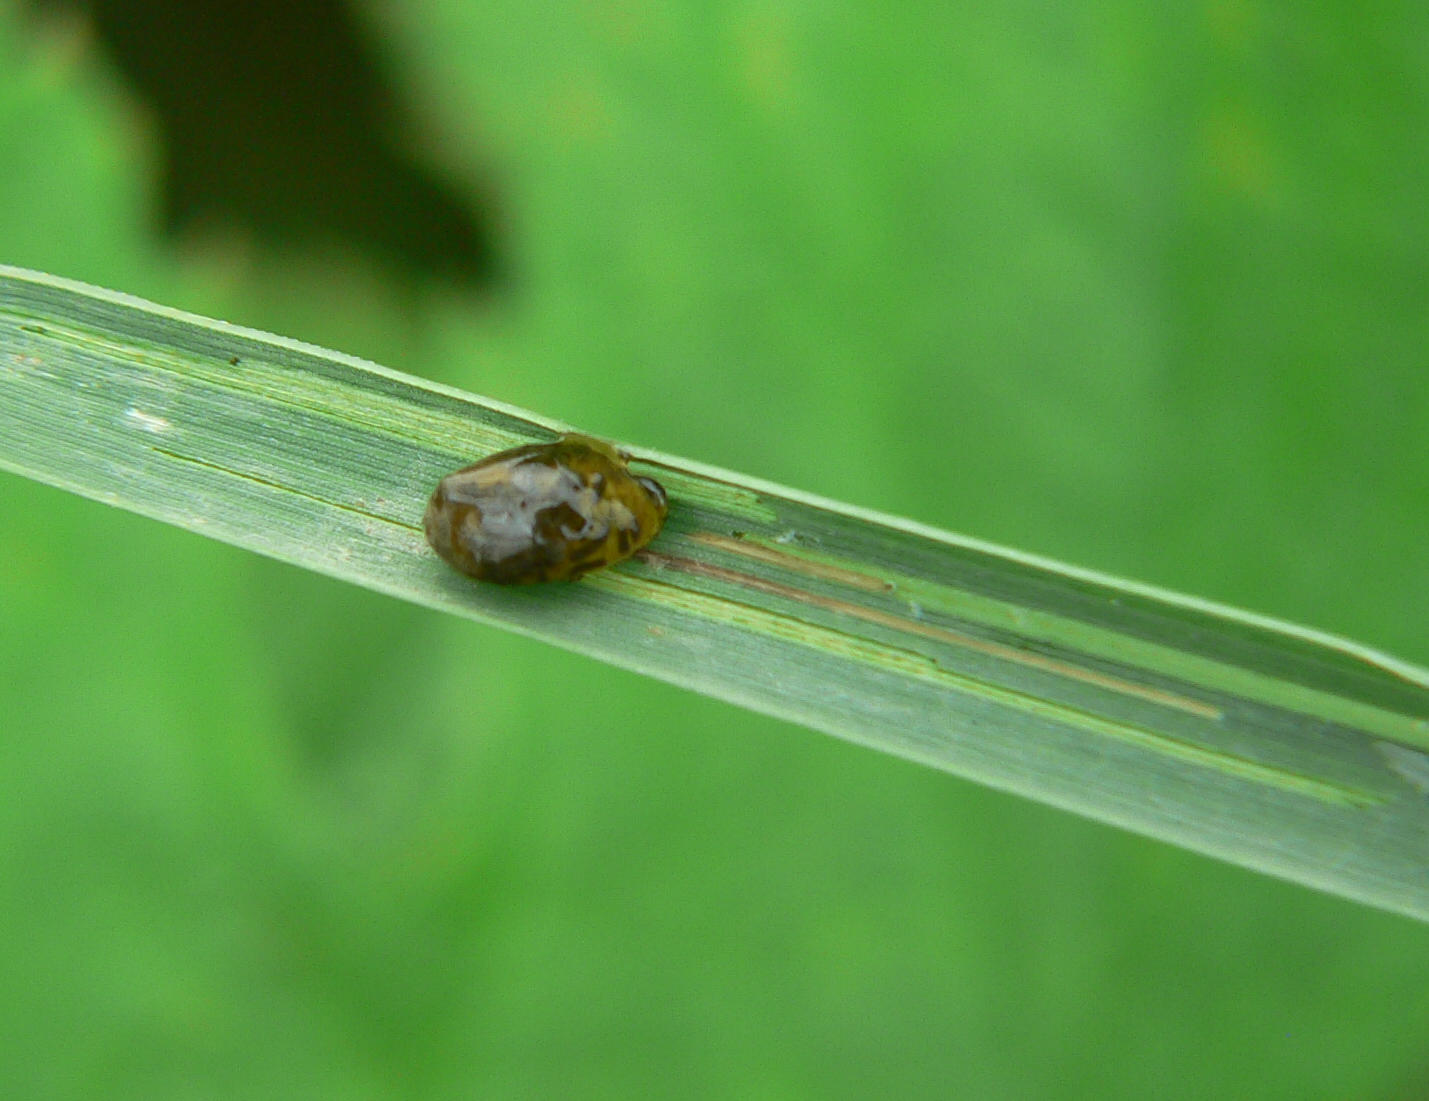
1271,746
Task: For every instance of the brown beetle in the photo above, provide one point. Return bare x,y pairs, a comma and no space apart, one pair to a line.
544,512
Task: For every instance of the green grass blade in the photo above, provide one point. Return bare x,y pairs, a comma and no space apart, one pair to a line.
1275,747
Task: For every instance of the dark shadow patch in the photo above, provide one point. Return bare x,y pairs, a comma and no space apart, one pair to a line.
276,119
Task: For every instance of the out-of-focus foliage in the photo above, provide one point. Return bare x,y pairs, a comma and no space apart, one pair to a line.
1138,290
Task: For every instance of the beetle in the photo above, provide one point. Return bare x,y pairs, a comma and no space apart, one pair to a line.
544,512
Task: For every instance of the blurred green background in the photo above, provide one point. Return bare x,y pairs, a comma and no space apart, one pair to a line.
1141,287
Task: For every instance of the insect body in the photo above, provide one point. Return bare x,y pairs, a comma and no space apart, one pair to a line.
544,512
